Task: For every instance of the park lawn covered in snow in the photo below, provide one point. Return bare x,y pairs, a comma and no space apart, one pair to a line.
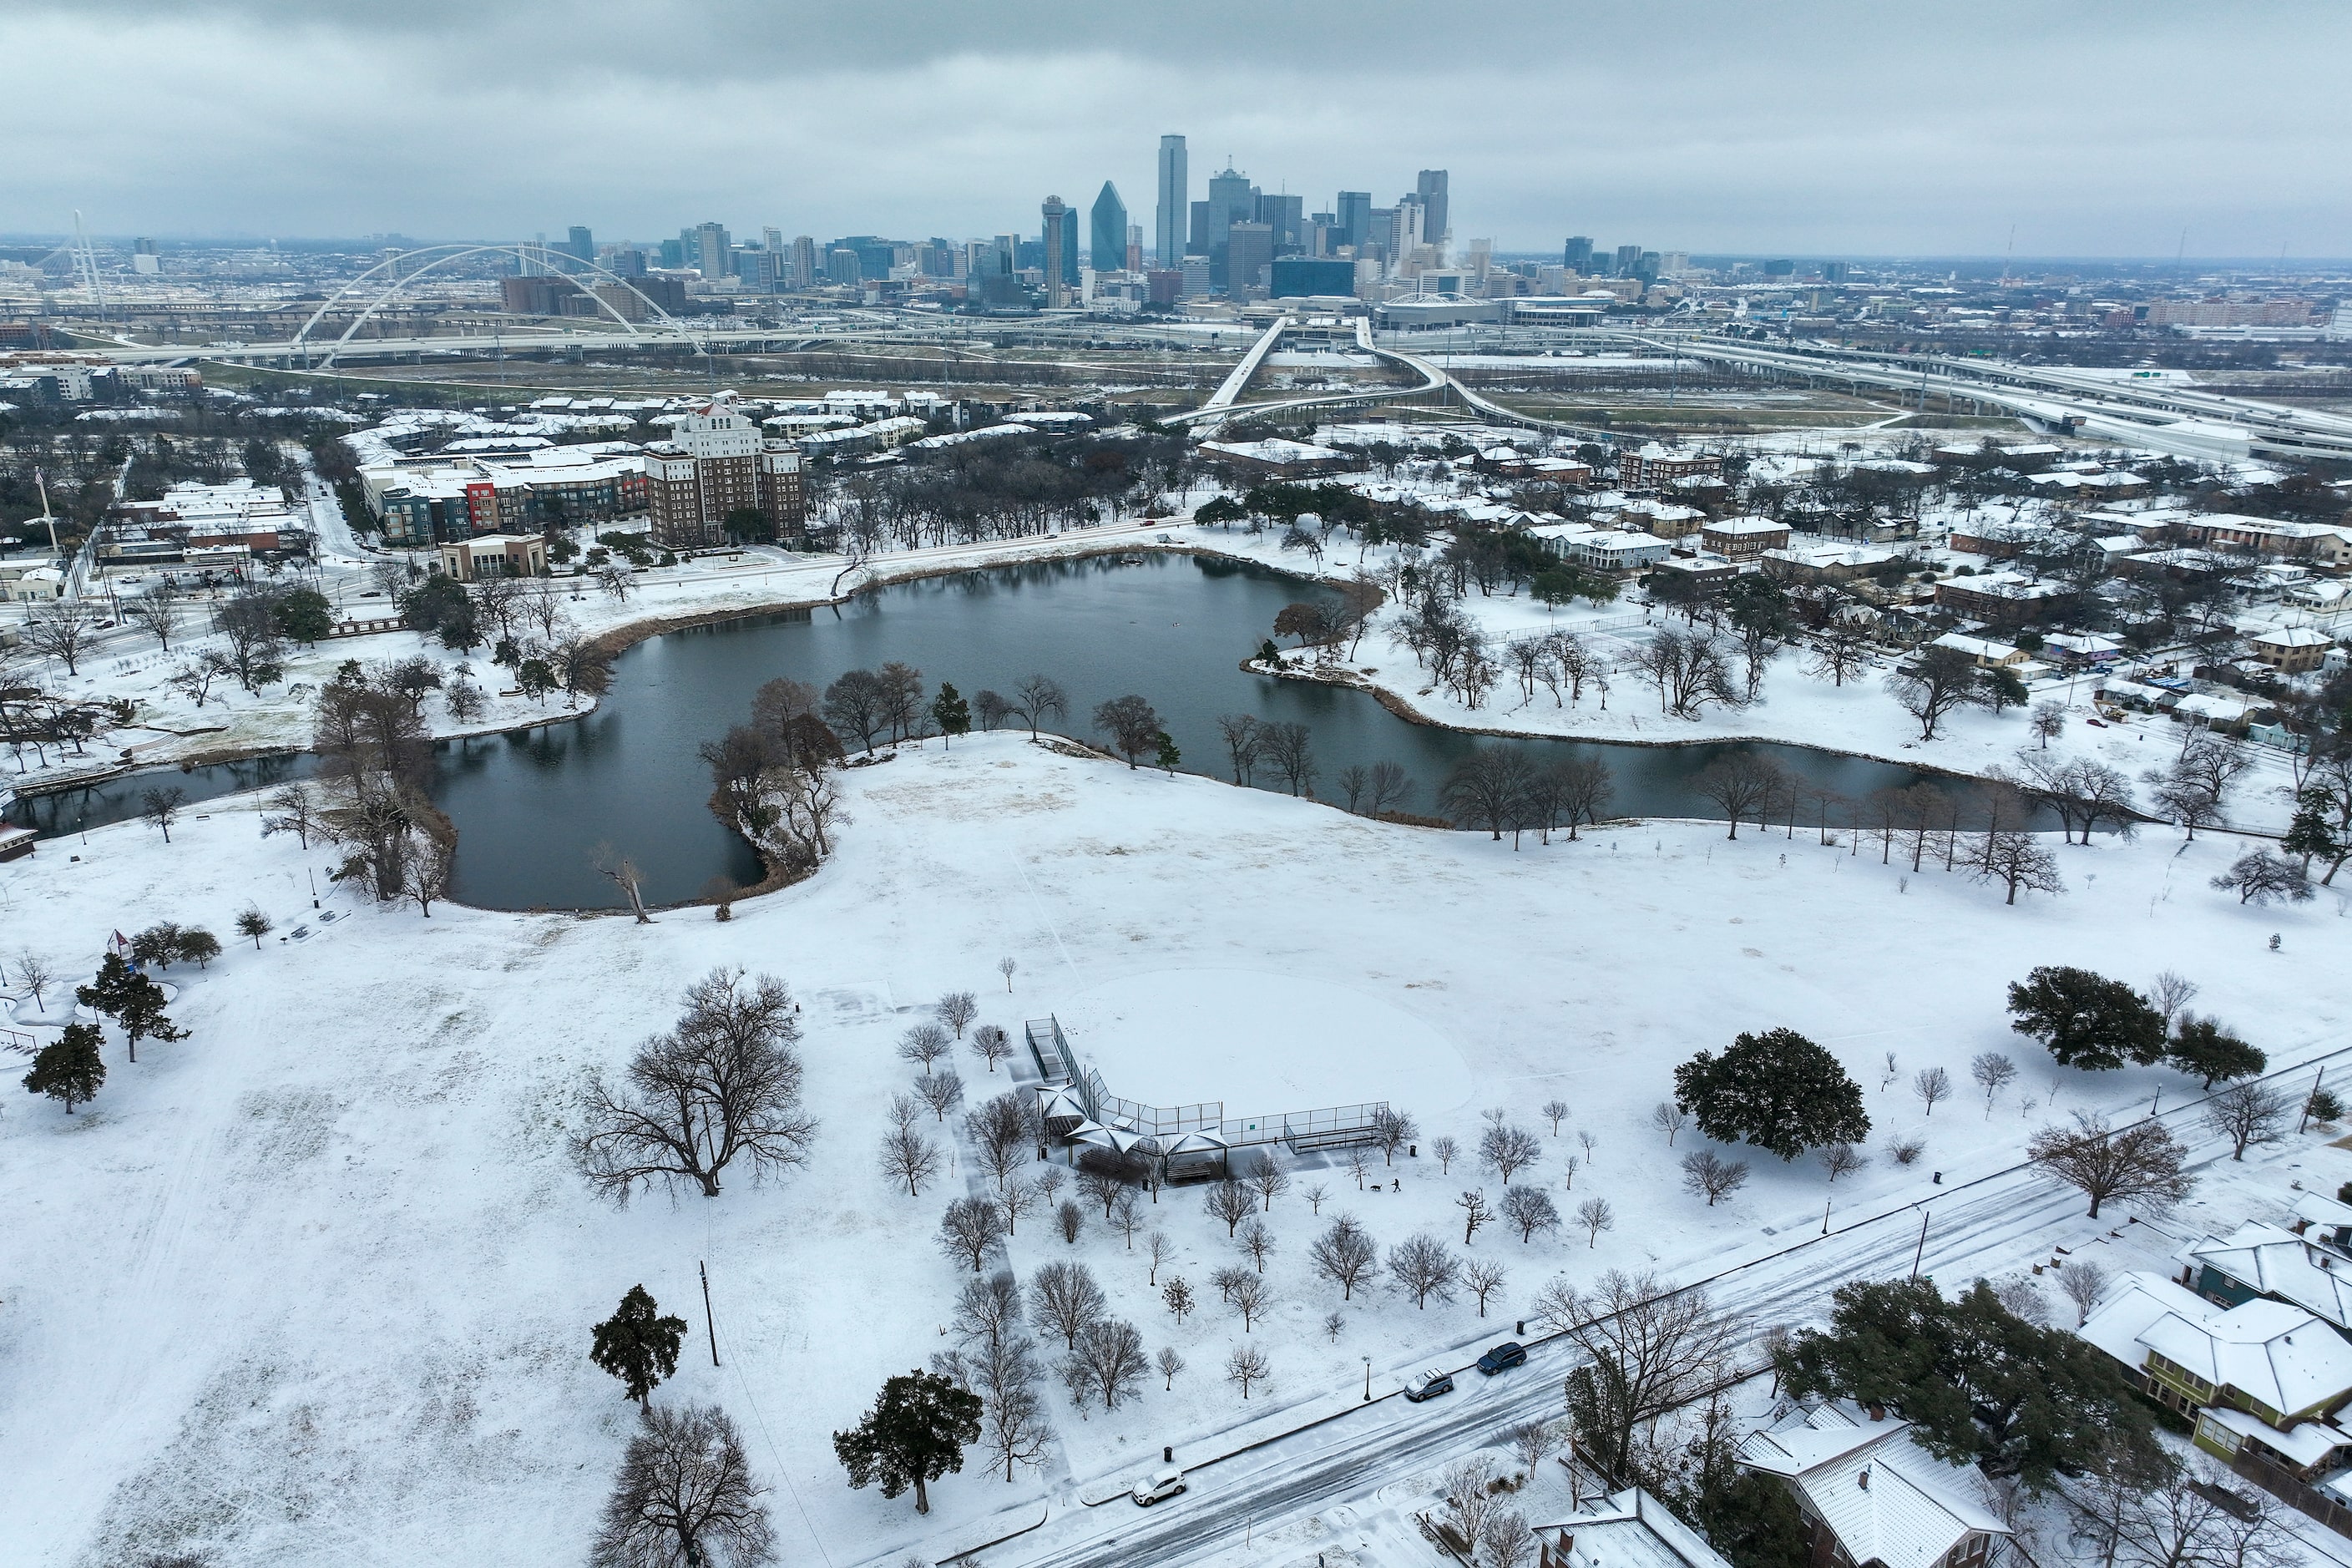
316,1283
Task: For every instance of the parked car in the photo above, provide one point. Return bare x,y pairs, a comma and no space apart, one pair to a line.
1428,1385
1507,1354
1158,1487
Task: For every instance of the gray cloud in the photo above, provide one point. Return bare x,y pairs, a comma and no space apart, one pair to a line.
2093,129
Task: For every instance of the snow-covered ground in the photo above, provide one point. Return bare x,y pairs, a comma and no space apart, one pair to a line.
315,1284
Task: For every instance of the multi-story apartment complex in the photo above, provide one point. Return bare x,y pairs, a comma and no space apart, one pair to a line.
715,464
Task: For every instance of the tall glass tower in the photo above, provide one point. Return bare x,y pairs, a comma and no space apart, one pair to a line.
1107,231
1175,202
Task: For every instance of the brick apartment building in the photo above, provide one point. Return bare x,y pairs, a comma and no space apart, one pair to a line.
715,463
1653,466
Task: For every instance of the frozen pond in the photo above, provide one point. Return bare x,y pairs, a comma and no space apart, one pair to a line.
532,806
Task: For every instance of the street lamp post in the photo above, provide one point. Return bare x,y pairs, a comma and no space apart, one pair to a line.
1368,1380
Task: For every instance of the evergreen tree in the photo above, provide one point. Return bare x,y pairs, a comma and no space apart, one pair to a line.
914,1434
1777,1091
637,1344
951,713
2086,1020
132,1000
2204,1049
1169,755
1979,1384
70,1071
2310,835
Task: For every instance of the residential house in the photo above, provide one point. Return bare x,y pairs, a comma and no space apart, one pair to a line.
1824,563
1665,519
2291,650
1988,654
1870,1495
1628,1529
2000,599
2259,1261
2264,1360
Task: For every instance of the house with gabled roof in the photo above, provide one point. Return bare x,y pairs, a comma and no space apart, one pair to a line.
2257,1261
2263,1373
1870,1494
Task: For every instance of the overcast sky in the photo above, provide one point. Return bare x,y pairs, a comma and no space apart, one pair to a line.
2093,128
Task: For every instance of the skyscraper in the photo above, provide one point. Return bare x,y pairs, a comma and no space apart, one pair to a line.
1057,220
1231,199
1577,254
1629,256
772,239
1355,215
1431,189
582,245
1108,249
804,260
712,247
1249,251
1175,202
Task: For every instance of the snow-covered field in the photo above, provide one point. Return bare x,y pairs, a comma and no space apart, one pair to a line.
315,1284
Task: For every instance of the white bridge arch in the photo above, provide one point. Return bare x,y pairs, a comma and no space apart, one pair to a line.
400,284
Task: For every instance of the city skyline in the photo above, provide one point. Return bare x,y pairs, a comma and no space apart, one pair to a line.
1797,134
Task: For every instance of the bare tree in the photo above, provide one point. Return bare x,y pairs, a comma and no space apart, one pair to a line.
1007,966
1708,1174
1529,1209
2142,1161
1554,1111
1158,1249
1358,1161
1231,1202
1126,1213
623,873
1344,1255
1317,1196
1931,1084
1066,1301
1650,1350
999,1129
1939,681
1170,1364
1475,1213
1508,1540
923,1045
2016,860
2171,994
1267,1175
1248,1365
1243,740
1669,1118
941,1091
1690,670
908,1156
1447,1151
1252,1297
958,1009
1595,1215
1840,1159
2188,1518
157,612
2082,1280
1288,746
1392,1130
684,1494
1256,1243
991,1045
1741,784
1019,1198
905,1110
161,807
61,630
1039,697
724,1084
33,975
1586,1141
1391,788
2248,1112
1993,1072
1508,1149
1469,1492
1532,1442
1109,1360
969,1230
1483,1279
1423,1267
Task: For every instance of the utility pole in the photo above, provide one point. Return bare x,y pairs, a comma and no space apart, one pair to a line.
2305,1119
1917,1253
711,1326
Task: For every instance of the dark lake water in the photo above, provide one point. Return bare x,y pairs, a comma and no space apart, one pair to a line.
532,806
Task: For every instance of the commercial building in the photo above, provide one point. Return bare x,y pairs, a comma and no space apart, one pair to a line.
1298,277
1249,252
1175,199
1435,222
715,464
1107,231
493,555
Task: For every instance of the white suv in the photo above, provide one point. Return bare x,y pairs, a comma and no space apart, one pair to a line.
1158,1487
